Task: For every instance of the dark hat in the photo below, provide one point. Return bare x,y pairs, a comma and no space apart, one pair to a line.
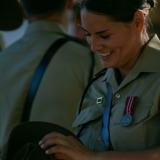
23,140
11,15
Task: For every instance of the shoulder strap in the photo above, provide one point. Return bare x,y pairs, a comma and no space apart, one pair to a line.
97,76
92,66
38,76
41,69
92,56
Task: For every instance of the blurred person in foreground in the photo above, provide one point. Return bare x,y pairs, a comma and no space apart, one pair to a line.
155,19
119,115
10,17
64,80
74,25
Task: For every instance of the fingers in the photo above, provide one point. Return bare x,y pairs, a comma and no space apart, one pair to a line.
63,147
59,150
52,139
68,153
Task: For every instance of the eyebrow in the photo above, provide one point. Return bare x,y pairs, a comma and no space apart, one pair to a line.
99,32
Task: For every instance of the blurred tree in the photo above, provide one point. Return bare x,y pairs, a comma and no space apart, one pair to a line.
156,19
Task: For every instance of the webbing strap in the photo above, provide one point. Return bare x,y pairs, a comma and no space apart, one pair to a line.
37,77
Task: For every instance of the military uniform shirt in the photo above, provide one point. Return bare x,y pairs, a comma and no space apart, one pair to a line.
142,82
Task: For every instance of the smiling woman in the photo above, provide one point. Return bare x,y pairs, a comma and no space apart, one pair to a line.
10,15
116,24
110,44
119,113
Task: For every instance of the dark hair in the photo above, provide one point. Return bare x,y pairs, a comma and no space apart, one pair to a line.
42,7
119,10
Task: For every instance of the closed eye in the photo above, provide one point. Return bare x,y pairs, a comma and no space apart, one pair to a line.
105,36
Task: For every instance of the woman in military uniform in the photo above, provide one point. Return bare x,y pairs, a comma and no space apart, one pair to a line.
119,112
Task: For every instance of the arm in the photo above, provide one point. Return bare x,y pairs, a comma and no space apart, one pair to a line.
153,154
68,148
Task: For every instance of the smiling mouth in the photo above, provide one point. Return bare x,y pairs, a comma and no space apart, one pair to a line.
104,54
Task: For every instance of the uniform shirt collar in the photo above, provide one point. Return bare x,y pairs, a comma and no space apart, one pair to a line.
41,26
147,62
149,59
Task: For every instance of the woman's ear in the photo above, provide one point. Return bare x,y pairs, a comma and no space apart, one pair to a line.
69,4
139,20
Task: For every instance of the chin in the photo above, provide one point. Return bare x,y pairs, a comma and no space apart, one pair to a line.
106,63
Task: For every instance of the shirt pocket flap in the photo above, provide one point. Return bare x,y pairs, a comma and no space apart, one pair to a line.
88,114
142,115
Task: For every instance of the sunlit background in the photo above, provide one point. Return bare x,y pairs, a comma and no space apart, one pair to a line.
8,37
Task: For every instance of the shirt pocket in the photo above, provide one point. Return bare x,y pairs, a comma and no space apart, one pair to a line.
88,114
141,114
88,126
138,129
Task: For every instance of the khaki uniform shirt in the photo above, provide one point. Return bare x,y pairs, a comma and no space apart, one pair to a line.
61,87
143,81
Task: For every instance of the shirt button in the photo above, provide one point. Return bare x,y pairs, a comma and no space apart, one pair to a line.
117,95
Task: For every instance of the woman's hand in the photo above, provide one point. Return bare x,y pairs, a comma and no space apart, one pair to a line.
64,147
68,148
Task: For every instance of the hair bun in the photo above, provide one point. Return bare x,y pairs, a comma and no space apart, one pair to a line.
151,3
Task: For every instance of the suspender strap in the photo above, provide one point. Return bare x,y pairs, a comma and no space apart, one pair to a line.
37,77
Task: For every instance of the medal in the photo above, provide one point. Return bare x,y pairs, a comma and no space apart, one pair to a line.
127,118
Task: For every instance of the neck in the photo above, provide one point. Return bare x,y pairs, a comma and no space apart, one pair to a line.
124,71
59,18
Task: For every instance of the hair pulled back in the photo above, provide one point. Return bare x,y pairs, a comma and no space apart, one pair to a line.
119,10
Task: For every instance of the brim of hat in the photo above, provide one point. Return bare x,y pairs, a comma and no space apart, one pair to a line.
31,132
11,15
